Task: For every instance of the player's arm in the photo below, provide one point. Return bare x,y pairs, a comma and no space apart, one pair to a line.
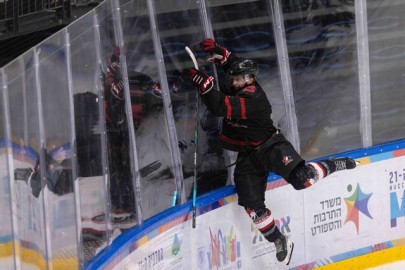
217,53
244,106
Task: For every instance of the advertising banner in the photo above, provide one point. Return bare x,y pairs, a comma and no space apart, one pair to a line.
348,214
221,238
351,210
170,250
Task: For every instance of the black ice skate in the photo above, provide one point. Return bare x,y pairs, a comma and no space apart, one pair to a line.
123,220
284,249
339,164
120,219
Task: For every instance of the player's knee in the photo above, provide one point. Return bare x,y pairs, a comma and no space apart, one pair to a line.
262,218
256,212
301,177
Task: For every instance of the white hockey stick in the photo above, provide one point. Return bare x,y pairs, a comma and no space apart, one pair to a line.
194,209
191,54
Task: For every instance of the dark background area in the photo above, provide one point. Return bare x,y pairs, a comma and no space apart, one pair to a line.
11,48
22,27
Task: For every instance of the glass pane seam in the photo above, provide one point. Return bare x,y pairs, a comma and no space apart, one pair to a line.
364,72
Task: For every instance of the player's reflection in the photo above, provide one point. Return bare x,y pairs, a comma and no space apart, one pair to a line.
58,172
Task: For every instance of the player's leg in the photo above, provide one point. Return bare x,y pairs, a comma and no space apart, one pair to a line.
250,182
325,167
286,162
305,175
264,222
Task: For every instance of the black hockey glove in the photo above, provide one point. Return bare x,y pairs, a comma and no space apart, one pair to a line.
23,174
114,67
117,89
114,79
202,81
218,53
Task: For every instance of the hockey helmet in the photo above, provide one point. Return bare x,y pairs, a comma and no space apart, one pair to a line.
243,67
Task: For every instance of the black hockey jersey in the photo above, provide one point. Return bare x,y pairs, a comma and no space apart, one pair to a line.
247,119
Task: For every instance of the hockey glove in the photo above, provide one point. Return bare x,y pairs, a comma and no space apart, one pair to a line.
115,57
218,54
117,89
23,174
199,79
114,79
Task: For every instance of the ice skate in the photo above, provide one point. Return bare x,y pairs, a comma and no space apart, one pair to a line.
339,164
284,249
123,220
120,219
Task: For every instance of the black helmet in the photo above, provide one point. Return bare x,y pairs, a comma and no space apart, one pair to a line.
243,67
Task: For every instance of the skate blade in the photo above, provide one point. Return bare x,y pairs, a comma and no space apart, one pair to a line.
289,255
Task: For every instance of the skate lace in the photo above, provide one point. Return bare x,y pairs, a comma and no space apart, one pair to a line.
340,165
279,245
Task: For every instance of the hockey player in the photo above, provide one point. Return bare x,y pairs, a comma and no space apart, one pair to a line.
121,187
248,129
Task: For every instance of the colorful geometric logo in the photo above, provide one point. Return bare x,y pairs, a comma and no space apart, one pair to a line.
287,160
397,207
225,250
356,203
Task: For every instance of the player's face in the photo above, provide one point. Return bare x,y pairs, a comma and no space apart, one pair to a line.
238,81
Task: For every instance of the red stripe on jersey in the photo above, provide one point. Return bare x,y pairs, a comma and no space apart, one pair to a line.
242,108
238,142
228,107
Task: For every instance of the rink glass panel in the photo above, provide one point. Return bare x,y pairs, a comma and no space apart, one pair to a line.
6,230
246,29
118,123
387,53
154,153
60,206
321,43
24,129
181,25
90,134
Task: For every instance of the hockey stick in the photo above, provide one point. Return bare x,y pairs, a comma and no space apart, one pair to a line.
191,54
